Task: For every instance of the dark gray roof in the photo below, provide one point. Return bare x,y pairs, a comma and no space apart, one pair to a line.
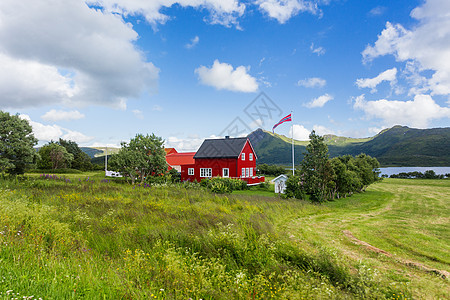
221,148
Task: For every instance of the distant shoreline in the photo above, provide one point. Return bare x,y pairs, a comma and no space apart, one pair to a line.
396,170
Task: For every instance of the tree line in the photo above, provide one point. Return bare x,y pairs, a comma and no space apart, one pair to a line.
143,158
429,174
274,170
324,179
63,154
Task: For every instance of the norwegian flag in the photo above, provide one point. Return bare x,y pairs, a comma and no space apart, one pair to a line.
288,118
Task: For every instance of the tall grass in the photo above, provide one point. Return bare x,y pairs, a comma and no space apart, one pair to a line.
84,238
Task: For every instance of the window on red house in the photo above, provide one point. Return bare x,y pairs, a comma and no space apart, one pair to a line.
225,172
205,172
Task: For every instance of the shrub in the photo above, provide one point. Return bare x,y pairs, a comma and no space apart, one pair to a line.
295,188
222,185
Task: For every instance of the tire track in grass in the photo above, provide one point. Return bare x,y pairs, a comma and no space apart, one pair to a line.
442,273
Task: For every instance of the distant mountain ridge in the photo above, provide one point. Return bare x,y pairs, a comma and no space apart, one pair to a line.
396,146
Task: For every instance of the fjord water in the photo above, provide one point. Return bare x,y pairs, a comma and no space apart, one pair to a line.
396,170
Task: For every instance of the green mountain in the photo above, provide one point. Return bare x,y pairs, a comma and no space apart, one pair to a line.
92,152
97,154
396,146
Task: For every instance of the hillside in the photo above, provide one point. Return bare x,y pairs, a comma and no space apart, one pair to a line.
92,152
396,146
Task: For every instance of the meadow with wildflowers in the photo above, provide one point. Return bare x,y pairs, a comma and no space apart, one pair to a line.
84,236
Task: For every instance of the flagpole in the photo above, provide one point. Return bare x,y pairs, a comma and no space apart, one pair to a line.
292,145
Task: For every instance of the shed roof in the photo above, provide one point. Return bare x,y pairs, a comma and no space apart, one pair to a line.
221,148
282,177
170,150
180,159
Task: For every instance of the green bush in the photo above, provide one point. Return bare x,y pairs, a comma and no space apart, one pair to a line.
222,185
156,179
295,188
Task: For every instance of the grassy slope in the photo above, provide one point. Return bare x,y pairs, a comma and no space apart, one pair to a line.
407,218
92,239
102,151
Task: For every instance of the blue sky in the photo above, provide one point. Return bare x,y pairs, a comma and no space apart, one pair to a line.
99,72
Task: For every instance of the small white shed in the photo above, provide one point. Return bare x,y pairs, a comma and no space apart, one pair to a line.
280,183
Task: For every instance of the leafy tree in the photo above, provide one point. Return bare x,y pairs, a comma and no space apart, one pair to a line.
368,168
54,156
16,144
429,174
347,180
271,169
317,170
81,161
174,175
143,156
295,188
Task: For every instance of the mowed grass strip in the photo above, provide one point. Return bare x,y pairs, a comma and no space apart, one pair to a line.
409,219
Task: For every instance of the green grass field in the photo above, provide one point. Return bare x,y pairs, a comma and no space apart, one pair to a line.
80,237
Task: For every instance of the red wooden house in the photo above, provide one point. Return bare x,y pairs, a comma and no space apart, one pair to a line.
228,157
170,151
175,160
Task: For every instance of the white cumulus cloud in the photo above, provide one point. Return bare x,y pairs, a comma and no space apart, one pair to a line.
319,101
416,113
312,82
46,133
223,76
60,115
300,132
388,75
322,130
65,52
191,143
377,11
427,44
317,50
224,12
283,10
193,43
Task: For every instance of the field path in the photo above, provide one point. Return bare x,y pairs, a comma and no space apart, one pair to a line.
403,226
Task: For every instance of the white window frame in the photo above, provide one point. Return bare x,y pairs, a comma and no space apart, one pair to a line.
247,172
251,172
191,171
243,172
243,156
227,171
250,156
205,172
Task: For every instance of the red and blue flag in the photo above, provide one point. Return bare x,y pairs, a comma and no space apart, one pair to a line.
288,118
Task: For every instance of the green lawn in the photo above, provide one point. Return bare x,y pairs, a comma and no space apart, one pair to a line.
84,237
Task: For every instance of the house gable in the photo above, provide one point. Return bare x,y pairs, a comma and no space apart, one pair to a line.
223,157
221,148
